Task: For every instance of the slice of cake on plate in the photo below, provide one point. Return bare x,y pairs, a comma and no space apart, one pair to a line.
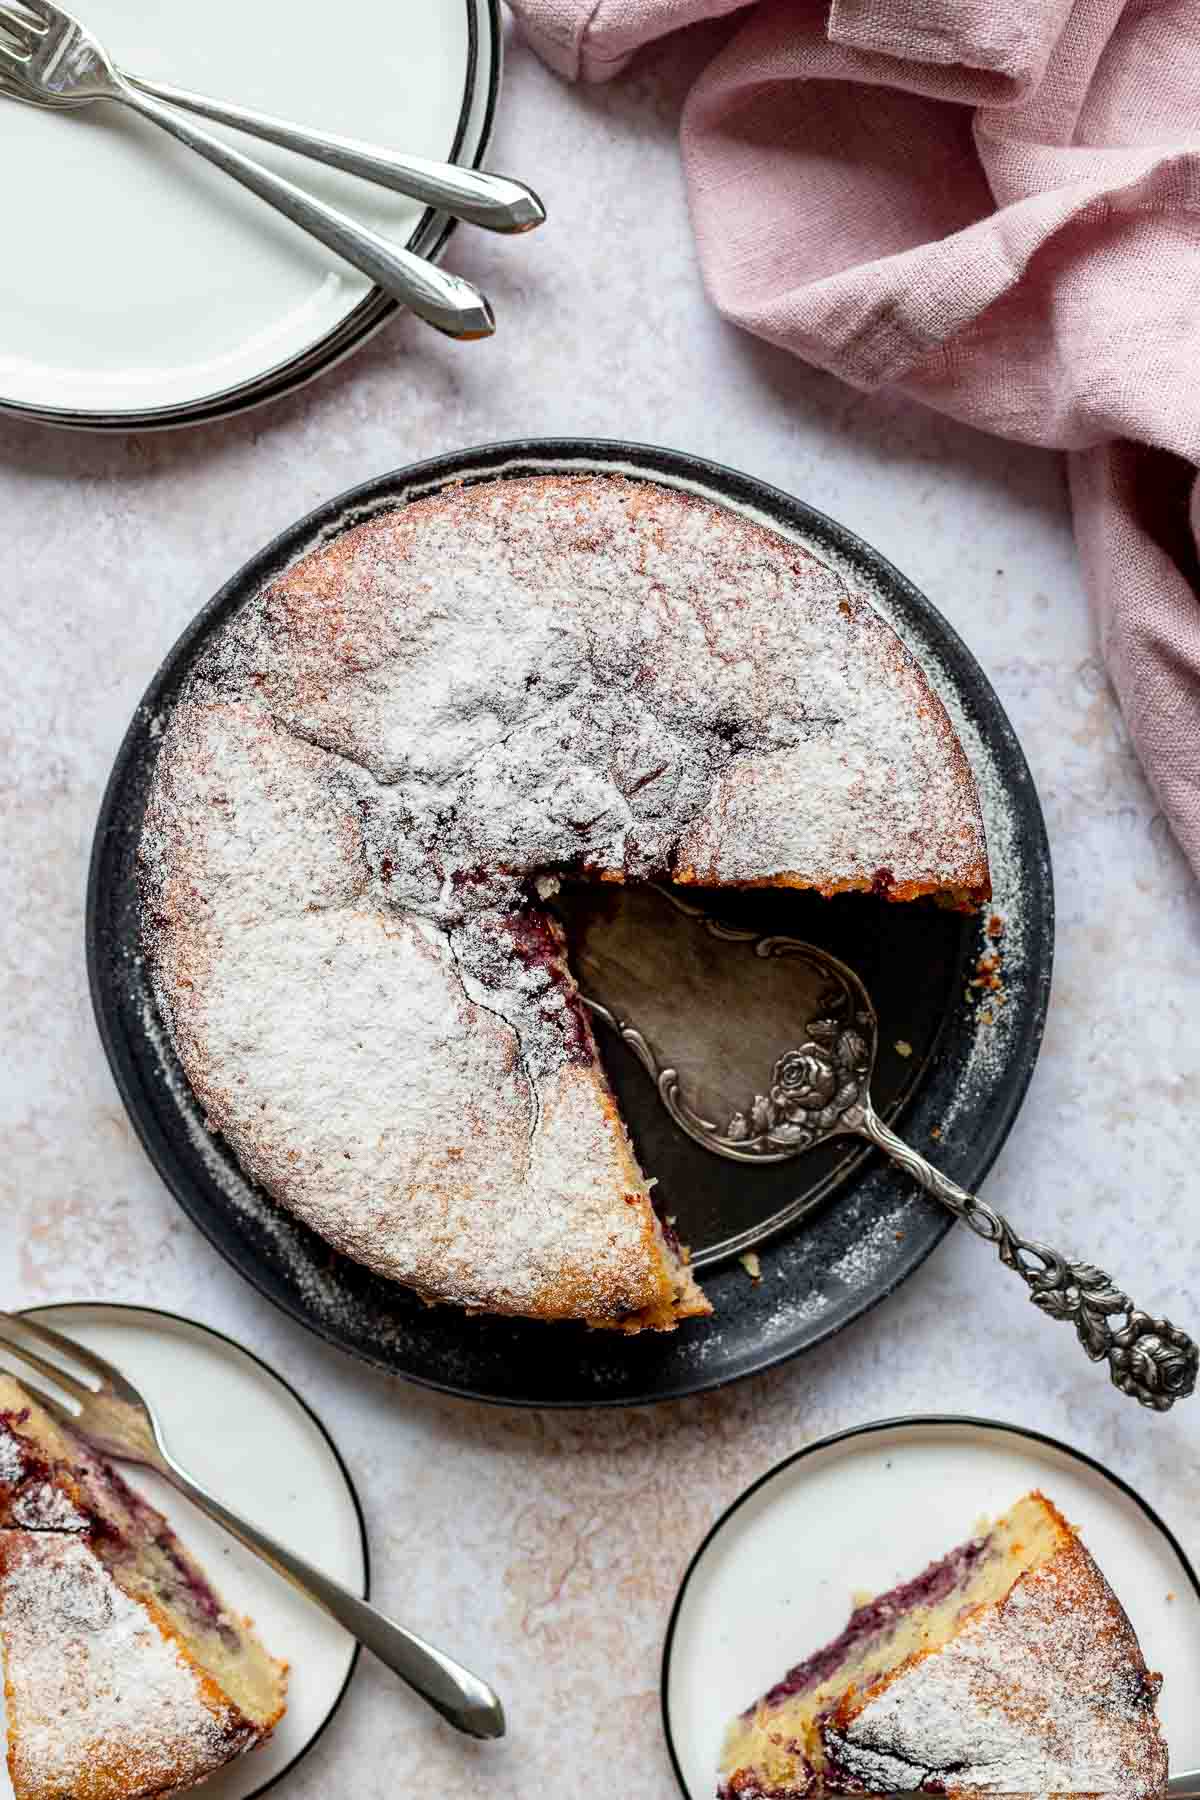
1009,1667
125,1675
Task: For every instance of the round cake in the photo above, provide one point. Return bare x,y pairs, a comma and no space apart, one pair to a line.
370,786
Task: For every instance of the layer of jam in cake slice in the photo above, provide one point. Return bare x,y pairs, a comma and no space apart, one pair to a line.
1007,1667
125,1674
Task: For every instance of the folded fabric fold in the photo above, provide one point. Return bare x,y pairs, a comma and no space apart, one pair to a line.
997,209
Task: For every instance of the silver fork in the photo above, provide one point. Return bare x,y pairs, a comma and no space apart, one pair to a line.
495,202
49,59
118,1422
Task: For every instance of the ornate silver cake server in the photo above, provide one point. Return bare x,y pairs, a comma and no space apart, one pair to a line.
821,1089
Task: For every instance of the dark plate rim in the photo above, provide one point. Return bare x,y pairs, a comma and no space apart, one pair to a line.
162,1312
428,238
898,1422
483,462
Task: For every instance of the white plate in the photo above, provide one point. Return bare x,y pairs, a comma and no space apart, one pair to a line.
863,1511
136,278
243,1432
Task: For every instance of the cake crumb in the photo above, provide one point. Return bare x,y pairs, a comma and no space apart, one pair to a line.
861,1597
987,971
988,983
903,1047
935,1131
749,1261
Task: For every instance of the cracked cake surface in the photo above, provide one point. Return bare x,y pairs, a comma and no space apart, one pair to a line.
371,782
1009,1667
125,1676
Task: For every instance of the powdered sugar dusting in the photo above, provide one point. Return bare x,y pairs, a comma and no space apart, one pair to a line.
857,1265
1047,1693
382,753
92,1682
994,1038
44,1507
12,1459
992,1045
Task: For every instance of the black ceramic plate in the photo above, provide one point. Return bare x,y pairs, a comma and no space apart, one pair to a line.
854,1228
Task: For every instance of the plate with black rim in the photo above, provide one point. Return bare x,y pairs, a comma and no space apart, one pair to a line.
773,1579
207,302
836,1231
244,1432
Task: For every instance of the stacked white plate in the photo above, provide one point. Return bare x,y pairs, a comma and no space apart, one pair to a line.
140,286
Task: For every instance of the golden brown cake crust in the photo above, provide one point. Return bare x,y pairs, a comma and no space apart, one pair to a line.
385,753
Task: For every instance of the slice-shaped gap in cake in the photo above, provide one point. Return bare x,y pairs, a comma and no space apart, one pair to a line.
537,942
1007,1667
125,1673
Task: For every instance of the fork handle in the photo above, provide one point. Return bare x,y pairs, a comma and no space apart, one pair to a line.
462,1699
442,300
494,201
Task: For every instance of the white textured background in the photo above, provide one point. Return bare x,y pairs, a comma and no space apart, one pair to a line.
546,1549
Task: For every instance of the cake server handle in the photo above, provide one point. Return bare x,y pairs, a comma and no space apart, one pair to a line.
1148,1358
462,1699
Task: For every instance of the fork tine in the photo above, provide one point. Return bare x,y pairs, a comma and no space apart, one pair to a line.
19,27
21,1353
54,1340
52,1404
16,60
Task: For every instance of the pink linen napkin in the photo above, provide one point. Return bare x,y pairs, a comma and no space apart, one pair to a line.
995,206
